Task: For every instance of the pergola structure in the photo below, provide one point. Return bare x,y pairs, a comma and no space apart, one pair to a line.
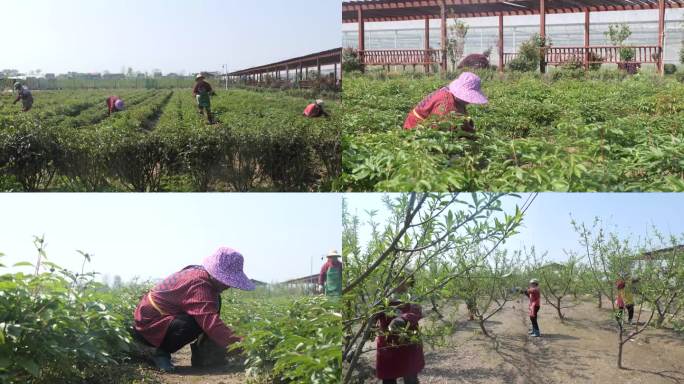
401,10
302,67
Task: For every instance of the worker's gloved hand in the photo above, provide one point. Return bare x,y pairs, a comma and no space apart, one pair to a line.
206,353
397,325
230,352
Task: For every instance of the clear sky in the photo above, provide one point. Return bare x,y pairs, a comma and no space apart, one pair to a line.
547,222
152,235
171,35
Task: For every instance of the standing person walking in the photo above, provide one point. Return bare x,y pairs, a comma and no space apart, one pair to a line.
202,91
330,277
532,292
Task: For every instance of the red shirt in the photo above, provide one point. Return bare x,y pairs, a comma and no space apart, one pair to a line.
440,102
187,291
110,102
324,269
201,87
313,110
393,359
535,299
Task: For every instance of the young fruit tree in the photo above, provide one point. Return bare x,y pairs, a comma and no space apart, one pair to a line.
486,285
652,276
421,239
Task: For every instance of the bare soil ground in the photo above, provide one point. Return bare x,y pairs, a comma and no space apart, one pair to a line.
185,373
582,349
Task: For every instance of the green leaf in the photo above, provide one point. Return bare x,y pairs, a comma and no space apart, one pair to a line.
23,264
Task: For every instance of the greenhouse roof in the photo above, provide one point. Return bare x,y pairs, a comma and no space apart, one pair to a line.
398,10
329,57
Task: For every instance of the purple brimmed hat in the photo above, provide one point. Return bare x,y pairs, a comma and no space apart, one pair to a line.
225,265
468,88
119,104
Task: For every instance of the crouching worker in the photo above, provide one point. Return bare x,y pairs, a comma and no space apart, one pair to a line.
114,104
315,109
532,292
397,356
451,99
24,94
185,307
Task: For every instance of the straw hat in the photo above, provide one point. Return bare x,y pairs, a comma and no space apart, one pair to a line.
333,253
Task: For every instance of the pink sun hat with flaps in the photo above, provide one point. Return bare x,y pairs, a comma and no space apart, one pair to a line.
226,266
468,88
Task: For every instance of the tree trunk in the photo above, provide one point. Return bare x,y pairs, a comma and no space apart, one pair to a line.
482,327
558,308
620,345
600,304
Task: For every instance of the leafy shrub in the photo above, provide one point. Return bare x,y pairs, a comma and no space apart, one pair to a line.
669,69
292,341
528,56
475,61
595,61
350,60
60,326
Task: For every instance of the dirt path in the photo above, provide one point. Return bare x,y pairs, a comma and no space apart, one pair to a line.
580,350
185,373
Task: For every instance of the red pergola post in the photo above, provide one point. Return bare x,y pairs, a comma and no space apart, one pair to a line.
426,44
661,36
586,40
443,14
501,44
542,34
362,37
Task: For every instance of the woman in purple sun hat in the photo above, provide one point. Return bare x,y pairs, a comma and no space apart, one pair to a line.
114,104
186,306
451,99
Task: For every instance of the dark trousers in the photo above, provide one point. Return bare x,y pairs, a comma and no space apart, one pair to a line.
183,330
630,311
533,319
407,380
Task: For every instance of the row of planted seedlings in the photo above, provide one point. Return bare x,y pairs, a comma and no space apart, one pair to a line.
260,142
161,142
85,152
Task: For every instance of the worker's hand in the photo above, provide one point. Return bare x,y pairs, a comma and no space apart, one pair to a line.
397,325
237,351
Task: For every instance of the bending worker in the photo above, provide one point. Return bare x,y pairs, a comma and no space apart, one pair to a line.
186,305
315,109
114,104
24,95
451,99
330,277
399,355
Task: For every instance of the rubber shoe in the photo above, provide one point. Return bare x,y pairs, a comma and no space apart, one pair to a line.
162,360
536,334
530,332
